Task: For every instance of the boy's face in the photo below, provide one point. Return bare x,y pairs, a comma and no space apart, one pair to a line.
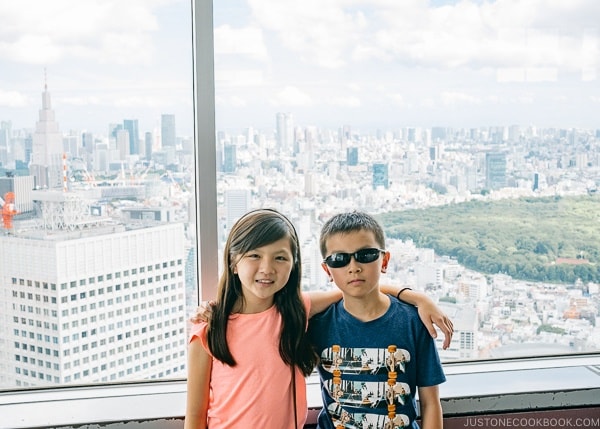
356,279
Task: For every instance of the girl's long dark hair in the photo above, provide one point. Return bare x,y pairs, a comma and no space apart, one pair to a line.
253,230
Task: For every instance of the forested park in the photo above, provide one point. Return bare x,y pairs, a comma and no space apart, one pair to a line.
550,239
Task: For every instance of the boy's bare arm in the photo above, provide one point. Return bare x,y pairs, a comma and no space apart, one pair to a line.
431,408
320,300
429,312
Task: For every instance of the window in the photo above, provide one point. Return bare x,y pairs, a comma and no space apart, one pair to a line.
381,105
136,159
443,141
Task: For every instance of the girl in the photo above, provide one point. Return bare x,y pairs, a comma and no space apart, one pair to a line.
247,364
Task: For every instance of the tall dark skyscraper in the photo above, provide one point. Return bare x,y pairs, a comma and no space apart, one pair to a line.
229,158
167,130
352,156
433,155
380,176
131,125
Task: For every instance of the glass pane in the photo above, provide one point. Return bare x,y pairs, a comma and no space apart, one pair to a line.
97,246
426,114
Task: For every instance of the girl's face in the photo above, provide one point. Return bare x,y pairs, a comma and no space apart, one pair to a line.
263,272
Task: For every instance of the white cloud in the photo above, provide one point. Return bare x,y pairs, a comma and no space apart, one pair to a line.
32,49
525,99
510,74
501,33
541,74
347,101
81,101
291,96
397,100
379,55
38,31
321,32
452,98
244,41
239,77
232,101
12,99
427,102
590,52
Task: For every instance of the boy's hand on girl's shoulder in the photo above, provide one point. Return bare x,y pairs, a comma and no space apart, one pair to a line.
203,312
434,316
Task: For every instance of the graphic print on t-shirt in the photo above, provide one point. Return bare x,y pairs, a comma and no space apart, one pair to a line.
361,360
365,391
343,418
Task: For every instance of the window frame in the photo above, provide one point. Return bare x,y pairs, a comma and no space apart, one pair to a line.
205,146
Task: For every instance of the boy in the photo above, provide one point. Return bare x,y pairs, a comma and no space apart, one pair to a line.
374,350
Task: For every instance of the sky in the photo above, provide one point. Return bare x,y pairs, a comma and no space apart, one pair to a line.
370,64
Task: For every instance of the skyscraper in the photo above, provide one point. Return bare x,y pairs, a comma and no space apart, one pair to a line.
237,202
380,176
285,132
47,148
88,143
167,131
131,125
495,170
229,158
148,140
5,134
123,144
352,156
21,186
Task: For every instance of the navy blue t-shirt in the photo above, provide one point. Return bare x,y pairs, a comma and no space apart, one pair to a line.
370,371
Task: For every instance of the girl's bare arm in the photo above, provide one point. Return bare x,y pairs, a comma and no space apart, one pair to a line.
198,384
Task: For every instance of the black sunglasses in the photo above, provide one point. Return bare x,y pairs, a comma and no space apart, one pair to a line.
364,256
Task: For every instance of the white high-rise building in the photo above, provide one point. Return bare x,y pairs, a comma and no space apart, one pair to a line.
237,203
285,132
22,187
97,303
464,344
167,130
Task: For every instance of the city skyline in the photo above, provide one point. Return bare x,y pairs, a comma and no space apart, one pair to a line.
371,64
91,237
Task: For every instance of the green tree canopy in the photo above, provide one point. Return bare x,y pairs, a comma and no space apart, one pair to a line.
555,239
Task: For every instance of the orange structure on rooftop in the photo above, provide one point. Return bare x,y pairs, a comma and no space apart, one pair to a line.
8,210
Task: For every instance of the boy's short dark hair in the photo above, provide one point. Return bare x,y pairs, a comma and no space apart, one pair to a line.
343,223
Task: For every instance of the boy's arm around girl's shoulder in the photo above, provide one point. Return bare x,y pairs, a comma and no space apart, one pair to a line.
198,385
430,313
321,300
